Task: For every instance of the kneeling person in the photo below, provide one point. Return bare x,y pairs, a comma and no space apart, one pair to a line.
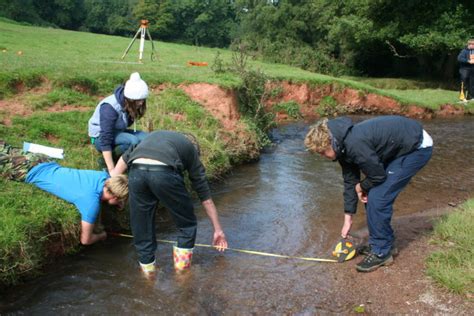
156,167
83,188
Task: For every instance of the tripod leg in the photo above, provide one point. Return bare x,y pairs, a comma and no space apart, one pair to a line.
142,44
130,45
152,57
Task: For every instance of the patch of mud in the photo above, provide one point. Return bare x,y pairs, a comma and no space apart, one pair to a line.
403,287
18,105
221,103
352,101
450,110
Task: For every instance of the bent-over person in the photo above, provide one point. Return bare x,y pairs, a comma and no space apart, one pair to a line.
156,174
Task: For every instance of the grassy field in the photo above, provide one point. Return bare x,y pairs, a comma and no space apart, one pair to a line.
68,58
453,265
45,66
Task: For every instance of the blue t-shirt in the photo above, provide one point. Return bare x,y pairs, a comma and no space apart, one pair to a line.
83,188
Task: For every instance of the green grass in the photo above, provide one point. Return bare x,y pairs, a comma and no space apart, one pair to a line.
453,265
94,61
31,220
291,108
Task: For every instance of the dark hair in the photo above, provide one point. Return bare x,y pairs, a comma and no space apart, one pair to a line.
135,108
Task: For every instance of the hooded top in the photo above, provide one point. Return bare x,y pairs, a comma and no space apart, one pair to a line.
368,147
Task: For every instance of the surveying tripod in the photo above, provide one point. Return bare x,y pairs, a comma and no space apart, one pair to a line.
143,30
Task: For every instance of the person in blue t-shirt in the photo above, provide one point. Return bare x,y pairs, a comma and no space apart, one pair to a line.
86,189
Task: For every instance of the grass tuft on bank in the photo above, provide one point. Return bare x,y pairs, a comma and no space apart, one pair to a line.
453,265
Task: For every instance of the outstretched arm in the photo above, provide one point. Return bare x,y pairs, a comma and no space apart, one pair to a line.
88,237
219,241
109,161
120,168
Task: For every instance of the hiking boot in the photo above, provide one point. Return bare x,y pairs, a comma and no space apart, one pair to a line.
365,250
373,262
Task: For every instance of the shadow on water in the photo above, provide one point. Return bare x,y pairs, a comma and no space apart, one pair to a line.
290,202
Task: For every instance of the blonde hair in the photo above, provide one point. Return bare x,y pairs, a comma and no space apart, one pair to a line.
118,186
471,41
318,138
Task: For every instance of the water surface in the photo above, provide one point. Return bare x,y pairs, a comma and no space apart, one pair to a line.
290,202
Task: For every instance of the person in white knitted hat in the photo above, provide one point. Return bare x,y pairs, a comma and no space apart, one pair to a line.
109,125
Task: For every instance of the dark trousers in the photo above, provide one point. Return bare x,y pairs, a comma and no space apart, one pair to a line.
467,77
148,185
379,208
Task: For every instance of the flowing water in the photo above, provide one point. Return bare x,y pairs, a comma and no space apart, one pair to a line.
290,202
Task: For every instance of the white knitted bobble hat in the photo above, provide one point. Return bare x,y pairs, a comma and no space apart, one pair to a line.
135,88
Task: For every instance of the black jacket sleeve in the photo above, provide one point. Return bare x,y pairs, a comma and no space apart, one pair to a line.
108,117
351,175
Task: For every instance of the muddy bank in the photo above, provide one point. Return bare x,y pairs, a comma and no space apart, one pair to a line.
402,288
223,103
331,99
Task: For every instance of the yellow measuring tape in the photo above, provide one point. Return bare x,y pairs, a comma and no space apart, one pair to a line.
260,253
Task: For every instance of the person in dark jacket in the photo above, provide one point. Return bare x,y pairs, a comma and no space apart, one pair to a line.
389,151
156,168
466,69
108,126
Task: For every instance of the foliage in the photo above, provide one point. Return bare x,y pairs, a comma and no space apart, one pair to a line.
218,65
453,265
330,107
291,108
381,38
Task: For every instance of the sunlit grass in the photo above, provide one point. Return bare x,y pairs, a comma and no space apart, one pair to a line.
453,265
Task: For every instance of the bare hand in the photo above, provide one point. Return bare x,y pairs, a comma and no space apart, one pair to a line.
346,228
361,194
219,241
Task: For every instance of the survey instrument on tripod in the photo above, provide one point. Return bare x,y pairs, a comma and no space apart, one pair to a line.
143,31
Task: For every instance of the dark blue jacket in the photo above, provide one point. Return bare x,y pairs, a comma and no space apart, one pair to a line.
463,58
368,147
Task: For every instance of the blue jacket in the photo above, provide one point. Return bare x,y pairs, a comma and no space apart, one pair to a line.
463,57
109,118
368,147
